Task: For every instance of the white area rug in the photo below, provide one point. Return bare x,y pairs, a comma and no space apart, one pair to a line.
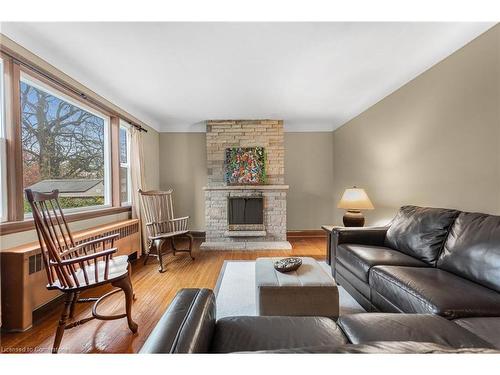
235,291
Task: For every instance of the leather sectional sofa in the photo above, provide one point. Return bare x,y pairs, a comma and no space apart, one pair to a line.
428,260
430,281
189,326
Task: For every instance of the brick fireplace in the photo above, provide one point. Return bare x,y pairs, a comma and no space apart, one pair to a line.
245,217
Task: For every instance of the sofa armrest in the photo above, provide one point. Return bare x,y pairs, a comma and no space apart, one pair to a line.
374,236
364,236
187,326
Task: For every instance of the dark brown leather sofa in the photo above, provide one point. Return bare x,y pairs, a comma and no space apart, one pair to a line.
428,260
189,326
430,281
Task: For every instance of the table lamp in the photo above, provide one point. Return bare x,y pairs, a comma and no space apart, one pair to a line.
354,200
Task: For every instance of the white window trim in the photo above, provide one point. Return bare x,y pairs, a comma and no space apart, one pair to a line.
26,78
126,126
3,149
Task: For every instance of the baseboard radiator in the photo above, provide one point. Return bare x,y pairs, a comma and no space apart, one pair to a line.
24,279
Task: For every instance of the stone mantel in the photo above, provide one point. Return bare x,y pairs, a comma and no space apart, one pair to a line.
246,187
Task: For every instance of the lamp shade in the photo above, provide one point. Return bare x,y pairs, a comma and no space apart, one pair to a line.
355,199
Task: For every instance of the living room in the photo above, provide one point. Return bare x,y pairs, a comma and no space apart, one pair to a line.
265,187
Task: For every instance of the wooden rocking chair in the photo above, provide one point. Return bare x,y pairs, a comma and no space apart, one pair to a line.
161,225
74,268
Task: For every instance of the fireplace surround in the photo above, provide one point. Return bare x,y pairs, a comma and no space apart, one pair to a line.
245,216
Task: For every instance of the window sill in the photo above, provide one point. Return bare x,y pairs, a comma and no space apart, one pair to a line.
28,224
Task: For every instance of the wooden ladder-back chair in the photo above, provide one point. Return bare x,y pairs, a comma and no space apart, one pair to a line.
73,268
161,225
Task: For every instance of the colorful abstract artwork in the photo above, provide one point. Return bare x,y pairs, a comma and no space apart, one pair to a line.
245,165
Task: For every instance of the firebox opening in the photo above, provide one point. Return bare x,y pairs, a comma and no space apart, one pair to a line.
245,213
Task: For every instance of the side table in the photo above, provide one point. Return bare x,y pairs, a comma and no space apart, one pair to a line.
328,229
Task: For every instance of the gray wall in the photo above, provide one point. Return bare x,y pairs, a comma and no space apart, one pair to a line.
434,142
308,171
151,147
183,167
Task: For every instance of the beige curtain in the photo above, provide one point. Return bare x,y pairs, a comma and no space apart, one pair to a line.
137,177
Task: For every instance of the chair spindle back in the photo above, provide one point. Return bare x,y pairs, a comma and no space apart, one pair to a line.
56,241
158,210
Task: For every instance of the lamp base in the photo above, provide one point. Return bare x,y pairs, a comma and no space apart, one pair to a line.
353,218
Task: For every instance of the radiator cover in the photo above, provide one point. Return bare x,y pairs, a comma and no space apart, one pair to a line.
24,279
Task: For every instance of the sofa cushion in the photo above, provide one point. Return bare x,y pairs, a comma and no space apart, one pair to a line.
251,333
360,258
365,328
420,231
352,284
472,249
486,328
434,291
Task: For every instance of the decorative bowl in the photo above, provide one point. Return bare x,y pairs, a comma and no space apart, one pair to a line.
287,264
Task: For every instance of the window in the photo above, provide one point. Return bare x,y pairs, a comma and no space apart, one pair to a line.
65,146
54,137
3,150
125,184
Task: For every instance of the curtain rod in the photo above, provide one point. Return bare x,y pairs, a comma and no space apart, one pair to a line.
70,88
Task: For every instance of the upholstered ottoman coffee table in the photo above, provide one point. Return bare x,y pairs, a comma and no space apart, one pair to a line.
309,291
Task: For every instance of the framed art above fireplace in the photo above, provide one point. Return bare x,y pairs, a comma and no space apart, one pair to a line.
245,166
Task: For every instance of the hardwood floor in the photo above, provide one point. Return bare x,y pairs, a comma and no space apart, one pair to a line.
154,292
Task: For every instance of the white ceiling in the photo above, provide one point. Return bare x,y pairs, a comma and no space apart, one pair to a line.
172,76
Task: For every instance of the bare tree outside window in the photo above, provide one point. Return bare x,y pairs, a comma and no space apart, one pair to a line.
63,148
